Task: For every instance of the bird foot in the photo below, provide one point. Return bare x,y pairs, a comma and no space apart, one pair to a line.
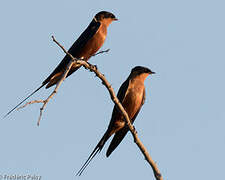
93,67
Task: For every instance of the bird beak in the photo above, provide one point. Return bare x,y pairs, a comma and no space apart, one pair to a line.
115,19
152,73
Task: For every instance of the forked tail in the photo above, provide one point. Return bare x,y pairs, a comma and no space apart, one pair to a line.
23,100
97,149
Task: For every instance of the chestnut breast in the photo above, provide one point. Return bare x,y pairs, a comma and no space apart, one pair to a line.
134,97
95,43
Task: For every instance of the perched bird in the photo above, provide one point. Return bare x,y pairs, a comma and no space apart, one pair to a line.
89,42
132,96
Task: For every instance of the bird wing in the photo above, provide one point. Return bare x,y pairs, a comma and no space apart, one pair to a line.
119,135
122,91
76,48
120,95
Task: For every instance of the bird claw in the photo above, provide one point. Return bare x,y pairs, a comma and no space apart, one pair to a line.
93,67
96,67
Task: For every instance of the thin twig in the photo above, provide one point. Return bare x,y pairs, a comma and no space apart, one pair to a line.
31,102
100,52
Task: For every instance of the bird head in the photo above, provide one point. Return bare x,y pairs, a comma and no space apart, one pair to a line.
140,71
105,17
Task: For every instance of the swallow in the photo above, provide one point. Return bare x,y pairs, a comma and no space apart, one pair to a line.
89,42
132,96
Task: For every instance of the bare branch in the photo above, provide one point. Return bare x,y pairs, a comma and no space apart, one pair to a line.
31,102
100,52
116,101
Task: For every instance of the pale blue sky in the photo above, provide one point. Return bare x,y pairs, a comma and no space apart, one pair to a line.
182,122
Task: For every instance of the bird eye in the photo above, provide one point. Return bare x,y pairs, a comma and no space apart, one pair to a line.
112,16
